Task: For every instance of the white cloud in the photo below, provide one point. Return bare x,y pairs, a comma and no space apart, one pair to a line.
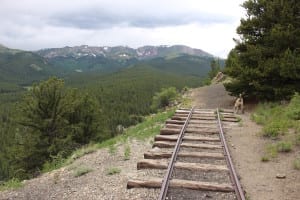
34,24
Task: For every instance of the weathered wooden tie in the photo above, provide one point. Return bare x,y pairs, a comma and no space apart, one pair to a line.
163,144
178,183
160,155
186,138
161,164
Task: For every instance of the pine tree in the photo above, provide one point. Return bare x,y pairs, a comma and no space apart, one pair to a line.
266,60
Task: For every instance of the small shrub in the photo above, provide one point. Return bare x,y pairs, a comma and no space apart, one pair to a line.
56,162
297,139
81,171
274,129
265,158
11,184
127,153
297,164
272,151
284,146
164,98
293,109
113,170
112,149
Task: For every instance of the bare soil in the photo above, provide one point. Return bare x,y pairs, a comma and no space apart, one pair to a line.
247,147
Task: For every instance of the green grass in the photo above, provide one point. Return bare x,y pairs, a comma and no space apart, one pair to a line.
127,152
284,146
80,171
112,149
265,158
142,131
11,184
280,122
278,119
272,150
113,170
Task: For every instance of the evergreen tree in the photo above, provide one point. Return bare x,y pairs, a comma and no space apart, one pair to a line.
57,120
214,68
266,60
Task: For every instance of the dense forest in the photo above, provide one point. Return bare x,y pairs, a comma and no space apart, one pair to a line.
53,117
265,62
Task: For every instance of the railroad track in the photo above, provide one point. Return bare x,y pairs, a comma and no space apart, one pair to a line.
193,151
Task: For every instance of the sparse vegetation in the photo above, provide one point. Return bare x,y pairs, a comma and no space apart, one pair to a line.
271,151
113,170
265,158
284,146
112,149
82,170
11,184
278,119
127,152
297,164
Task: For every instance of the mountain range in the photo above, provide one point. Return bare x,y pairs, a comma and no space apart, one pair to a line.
122,52
21,68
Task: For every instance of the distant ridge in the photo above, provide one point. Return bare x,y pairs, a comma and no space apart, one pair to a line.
122,52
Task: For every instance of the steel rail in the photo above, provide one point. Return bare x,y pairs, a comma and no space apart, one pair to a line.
166,181
237,186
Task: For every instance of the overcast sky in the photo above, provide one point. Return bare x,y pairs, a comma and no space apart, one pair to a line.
206,24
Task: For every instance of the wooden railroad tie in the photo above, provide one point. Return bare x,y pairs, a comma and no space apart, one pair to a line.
160,155
163,144
160,164
178,183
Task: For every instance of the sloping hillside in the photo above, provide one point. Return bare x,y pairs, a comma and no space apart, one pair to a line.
21,68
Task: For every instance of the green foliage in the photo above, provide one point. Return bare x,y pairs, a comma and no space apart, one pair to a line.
274,129
164,98
265,158
215,67
293,109
274,119
20,69
52,120
11,184
113,170
265,62
112,149
284,146
82,170
127,152
55,163
271,151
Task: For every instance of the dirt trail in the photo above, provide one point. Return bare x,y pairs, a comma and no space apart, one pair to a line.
247,148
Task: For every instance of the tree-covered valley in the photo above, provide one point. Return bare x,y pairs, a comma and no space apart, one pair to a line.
48,110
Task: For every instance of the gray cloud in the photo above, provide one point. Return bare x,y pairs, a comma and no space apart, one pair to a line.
33,24
98,19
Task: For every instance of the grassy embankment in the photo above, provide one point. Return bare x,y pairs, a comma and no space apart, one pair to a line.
281,124
142,131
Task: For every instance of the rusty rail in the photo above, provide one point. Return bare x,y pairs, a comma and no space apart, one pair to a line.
237,186
166,181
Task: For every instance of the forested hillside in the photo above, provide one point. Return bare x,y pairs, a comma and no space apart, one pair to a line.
21,68
54,117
